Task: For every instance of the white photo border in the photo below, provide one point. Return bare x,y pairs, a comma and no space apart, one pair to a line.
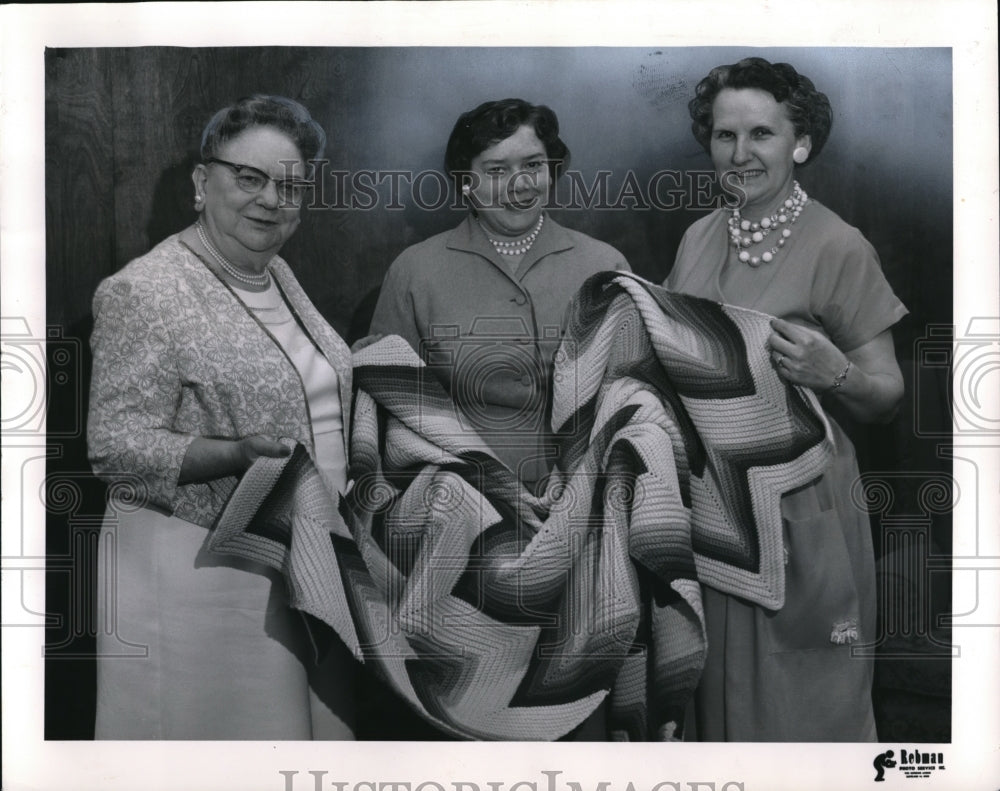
968,27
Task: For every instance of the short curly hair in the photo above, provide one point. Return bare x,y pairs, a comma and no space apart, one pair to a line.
492,122
285,115
808,109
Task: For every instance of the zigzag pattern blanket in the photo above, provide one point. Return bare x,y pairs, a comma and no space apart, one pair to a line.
501,615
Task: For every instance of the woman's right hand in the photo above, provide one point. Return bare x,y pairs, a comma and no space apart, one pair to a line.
208,459
252,448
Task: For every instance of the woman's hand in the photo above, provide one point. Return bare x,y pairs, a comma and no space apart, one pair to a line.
252,448
872,386
208,459
804,356
368,340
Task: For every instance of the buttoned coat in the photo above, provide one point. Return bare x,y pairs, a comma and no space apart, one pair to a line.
490,332
178,356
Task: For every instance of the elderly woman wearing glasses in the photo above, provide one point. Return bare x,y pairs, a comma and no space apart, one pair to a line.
207,355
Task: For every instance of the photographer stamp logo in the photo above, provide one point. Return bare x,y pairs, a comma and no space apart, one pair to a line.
912,763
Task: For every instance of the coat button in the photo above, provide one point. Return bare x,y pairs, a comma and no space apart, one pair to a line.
526,380
520,299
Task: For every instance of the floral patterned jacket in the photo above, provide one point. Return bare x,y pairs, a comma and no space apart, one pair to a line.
178,356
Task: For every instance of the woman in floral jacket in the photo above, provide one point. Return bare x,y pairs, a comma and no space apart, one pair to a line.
207,355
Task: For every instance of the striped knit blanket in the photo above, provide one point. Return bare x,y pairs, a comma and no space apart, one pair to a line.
502,615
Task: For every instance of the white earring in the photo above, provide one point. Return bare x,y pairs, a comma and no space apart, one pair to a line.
465,189
800,155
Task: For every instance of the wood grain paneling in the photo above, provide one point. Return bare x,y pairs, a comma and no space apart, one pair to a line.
79,179
80,233
162,99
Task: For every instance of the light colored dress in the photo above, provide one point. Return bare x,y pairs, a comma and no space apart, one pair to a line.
318,377
790,675
194,644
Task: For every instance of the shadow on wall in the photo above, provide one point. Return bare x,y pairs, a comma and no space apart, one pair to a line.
173,201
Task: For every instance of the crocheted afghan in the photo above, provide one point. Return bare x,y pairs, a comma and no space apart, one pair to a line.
501,615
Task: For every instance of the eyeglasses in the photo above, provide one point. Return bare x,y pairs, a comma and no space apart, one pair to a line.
250,179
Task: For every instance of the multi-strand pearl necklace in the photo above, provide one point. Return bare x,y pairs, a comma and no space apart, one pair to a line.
518,246
258,281
744,233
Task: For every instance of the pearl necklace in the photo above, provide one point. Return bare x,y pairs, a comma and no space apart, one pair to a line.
759,231
518,246
259,281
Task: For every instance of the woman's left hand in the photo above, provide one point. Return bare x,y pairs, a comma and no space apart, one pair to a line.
804,356
870,388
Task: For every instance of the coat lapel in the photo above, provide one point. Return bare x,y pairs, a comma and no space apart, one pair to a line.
330,344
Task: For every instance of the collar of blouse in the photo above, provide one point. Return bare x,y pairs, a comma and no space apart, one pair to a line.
469,237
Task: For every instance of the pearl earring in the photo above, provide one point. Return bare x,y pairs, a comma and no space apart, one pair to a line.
800,155
465,189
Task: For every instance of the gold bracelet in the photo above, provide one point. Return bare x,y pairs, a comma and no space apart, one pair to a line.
838,380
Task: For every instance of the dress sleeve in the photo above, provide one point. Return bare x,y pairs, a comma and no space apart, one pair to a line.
688,273
621,264
672,276
395,311
851,297
135,391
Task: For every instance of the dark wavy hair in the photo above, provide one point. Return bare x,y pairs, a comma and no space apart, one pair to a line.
808,109
492,122
278,112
